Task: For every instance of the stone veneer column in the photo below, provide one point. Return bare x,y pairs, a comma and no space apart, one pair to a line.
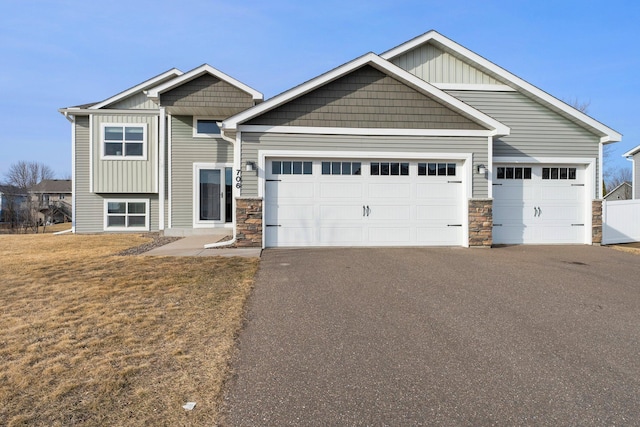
249,222
596,222
480,223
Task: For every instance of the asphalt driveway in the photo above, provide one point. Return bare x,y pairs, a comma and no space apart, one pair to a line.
509,336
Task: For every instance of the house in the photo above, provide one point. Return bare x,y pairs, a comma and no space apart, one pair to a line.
153,157
634,156
52,199
622,192
13,206
426,144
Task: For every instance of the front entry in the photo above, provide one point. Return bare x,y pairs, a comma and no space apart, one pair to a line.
212,204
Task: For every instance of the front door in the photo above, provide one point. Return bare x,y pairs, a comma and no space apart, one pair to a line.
212,195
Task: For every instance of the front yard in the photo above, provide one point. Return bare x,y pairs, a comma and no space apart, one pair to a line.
90,337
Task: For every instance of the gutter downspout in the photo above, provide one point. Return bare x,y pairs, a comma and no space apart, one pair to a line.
233,240
161,167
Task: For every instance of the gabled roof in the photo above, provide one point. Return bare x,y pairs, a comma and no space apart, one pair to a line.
154,93
612,192
154,81
52,186
632,152
606,133
382,65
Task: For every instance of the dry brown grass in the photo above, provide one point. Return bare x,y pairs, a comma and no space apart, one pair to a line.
91,338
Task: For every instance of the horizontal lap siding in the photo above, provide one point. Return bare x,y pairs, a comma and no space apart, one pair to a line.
366,98
125,176
536,131
253,142
185,151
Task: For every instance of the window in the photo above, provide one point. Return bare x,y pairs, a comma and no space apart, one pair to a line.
389,168
433,169
124,141
288,167
205,128
341,168
513,173
558,173
126,215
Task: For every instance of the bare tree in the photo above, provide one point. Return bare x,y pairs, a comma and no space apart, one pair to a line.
22,176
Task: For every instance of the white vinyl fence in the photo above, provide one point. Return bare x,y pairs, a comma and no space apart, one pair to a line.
620,221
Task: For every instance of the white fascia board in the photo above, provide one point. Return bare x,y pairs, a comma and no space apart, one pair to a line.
154,93
609,134
138,88
386,67
362,131
549,160
476,87
86,112
632,152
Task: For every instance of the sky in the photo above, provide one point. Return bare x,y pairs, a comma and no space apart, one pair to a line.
58,53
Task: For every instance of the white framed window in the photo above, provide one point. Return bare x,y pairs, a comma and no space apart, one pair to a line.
206,127
126,214
124,141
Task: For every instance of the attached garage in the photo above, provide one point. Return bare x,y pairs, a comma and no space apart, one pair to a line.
364,202
540,204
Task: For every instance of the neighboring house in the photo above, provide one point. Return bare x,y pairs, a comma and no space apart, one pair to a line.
621,192
426,144
52,198
153,158
13,204
634,156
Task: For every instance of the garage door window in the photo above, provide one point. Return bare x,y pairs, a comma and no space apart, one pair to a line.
558,173
291,168
389,168
434,169
514,173
341,168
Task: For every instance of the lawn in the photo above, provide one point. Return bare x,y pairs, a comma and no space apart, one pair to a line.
92,338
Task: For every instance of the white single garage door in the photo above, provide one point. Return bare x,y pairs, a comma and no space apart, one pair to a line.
539,204
360,202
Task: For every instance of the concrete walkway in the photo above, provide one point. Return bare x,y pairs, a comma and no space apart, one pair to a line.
194,246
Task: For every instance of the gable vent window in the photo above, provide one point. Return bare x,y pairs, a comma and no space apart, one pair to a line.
124,141
205,128
558,173
513,173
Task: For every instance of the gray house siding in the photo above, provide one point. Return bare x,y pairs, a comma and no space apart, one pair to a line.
210,92
125,176
438,66
185,151
139,101
536,131
90,206
366,98
253,142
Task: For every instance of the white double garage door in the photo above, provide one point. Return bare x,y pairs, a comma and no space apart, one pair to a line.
378,202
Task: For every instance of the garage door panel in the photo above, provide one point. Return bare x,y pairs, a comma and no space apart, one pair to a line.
341,212
439,236
291,190
441,212
388,213
340,235
559,234
562,193
389,235
289,236
341,190
288,212
387,191
438,190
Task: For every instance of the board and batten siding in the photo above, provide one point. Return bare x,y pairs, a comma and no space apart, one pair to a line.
366,98
122,175
435,65
90,206
139,101
536,131
185,151
395,145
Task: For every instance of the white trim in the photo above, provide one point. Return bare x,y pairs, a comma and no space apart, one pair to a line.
589,181
194,126
138,88
106,112
161,166
154,93
145,141
490,168
632,152
600,178
147,214
197,222
91,158
362,131
608,134
477,87
383,66
73,174
170,169
156,143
